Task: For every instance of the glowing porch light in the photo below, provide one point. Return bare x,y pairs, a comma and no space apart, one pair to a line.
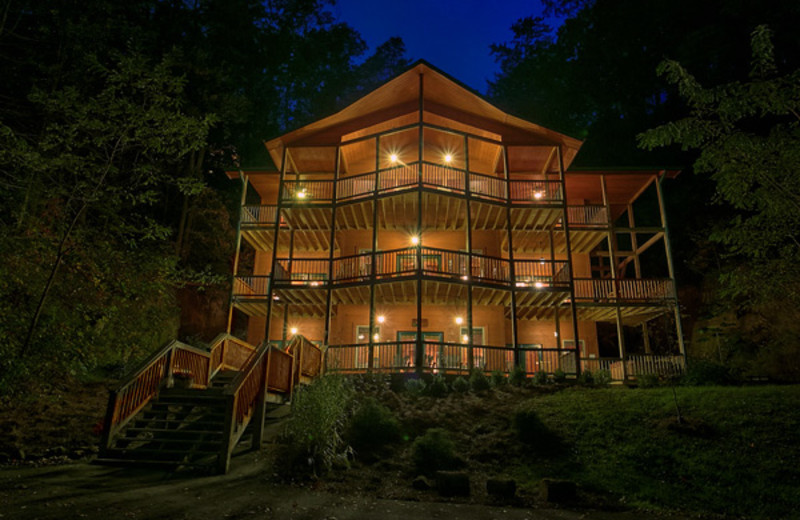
538,195
465,339
414,240
555,334
465,278
393,158
301,194
459,320
276,297
293,330
381,319
376,337
541,261
448,158
538,285
360,336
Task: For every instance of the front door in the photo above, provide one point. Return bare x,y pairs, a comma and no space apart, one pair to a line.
433,353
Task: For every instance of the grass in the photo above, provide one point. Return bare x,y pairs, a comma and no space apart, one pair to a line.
738,452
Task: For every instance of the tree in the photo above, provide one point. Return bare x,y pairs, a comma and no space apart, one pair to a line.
748,137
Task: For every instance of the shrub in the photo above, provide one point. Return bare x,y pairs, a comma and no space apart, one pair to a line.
372,426
700,373
478,381
532,431
586,378
517,376
434,451
647,380
460,385
437,387
559,376
540,378
602,378
498,378
314,434
415,386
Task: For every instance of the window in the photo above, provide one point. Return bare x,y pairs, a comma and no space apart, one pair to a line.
570,344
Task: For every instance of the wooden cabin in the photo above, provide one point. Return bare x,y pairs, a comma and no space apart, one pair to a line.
422,229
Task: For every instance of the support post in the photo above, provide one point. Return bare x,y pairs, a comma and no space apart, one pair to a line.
568,246
271,284
331,244
512,273
373,266
637,267
612,260
420,352
671,267
238,250
470,326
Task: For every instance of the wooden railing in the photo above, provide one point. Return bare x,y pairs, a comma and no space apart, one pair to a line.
430,176
308,357
607,290
135,391
259,215
590,216
250,286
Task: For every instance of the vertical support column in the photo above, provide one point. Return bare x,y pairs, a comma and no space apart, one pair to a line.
612,260
470,345
243,178
511,267
420,353
553,277
670,267
373,267
637,266
284,163
332,242
568,247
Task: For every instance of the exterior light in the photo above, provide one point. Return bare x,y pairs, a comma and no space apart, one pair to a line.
538,195
538,285
541,261
381,319
465,338
293,330
360,336
448,158
459,320
414,240
393,158
301,194
376,337
555,334
465,278
276,297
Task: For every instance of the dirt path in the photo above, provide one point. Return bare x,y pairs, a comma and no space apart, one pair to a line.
89,491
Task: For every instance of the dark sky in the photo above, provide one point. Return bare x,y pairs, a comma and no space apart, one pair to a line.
453,35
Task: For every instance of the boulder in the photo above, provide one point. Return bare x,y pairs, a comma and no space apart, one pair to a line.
558,491
501,487
452,483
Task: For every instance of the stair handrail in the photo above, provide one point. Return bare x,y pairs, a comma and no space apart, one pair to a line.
244,395
139,388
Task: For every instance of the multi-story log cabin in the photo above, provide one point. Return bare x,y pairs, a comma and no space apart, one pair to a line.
423,229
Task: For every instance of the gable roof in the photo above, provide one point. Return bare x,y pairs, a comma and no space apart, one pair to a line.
423,86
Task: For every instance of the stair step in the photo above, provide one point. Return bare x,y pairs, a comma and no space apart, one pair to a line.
177,430
172,455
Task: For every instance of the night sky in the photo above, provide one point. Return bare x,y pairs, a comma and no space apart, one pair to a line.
453,35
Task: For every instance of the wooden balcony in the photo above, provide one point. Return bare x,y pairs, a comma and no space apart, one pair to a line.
424,175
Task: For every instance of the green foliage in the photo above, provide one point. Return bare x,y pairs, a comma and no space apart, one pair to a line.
540,378
434,451
517,376
701,373
437,387
559,376
415,386
372,426
602,378
478,382
529,427
498,379
314,436
460,385
647,380
586,378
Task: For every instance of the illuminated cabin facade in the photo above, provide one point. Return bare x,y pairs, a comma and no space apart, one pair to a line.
423,229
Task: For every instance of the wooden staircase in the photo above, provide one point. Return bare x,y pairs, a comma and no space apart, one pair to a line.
233,388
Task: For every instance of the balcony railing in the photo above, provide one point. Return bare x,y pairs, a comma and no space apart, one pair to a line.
431,176
426,261
255,215
651,290
589,216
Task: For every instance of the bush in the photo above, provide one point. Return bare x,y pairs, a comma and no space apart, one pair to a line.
478,381
540,378
559,376
602,378
434,451
586,378
314,433
437,387
517,376
460,385
415,386
701,373
647,380
532,431
372,426
498,379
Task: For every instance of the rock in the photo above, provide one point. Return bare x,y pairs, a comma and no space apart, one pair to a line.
16,453
501,488
452,483
421,483
558,491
